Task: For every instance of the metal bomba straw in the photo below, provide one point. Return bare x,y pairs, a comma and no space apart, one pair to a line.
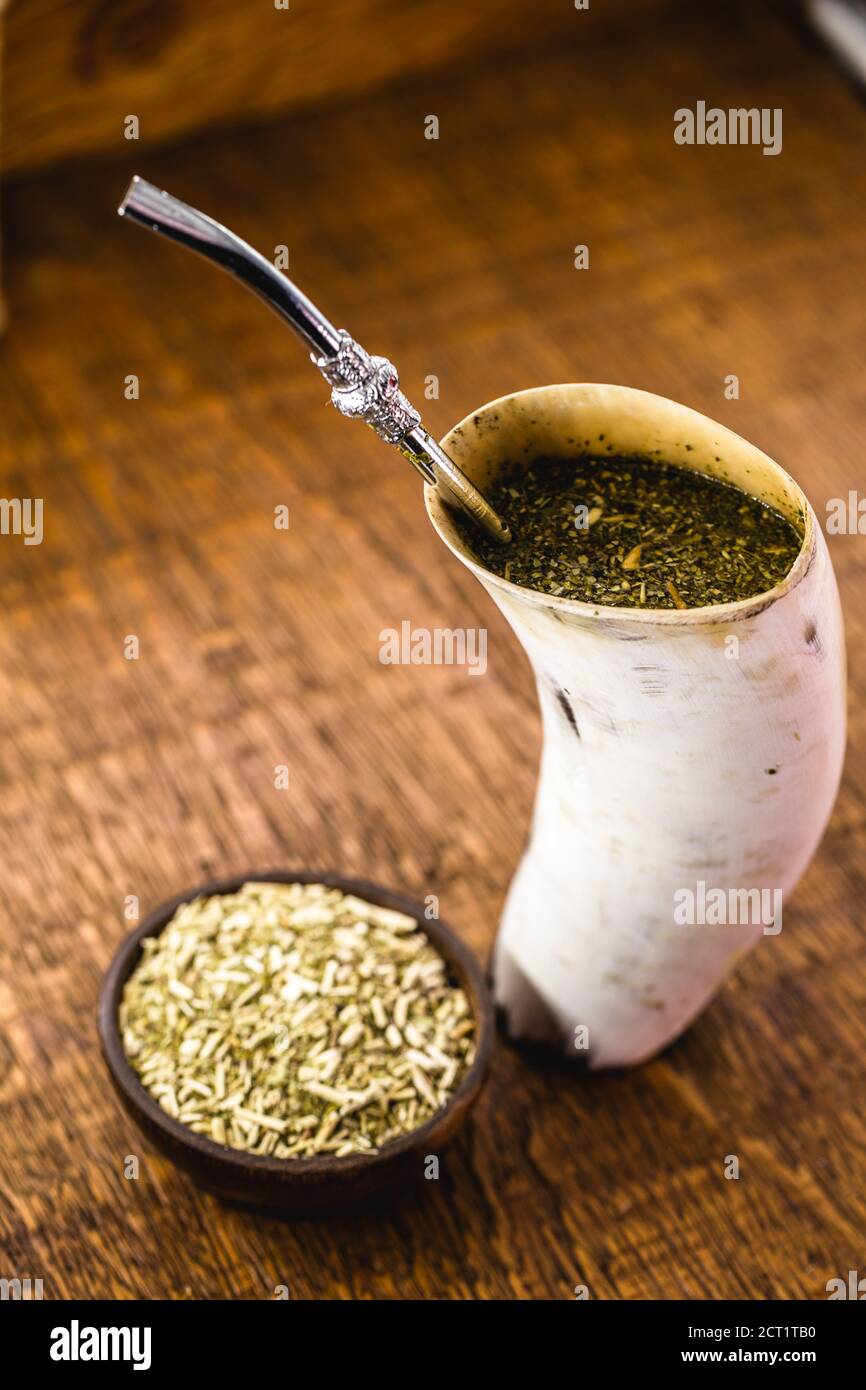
363,387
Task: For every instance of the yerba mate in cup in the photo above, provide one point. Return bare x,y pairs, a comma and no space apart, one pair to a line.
634,533
684,748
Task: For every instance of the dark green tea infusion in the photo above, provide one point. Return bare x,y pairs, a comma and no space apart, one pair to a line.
633,533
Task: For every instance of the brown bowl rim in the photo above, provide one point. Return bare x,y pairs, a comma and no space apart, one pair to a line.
227,1160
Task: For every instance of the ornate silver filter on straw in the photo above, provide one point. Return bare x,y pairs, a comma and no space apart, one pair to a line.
363,387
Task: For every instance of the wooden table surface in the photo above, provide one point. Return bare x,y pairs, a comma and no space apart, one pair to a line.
260,647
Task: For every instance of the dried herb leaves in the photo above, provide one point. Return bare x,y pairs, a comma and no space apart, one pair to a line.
293,1020
634,533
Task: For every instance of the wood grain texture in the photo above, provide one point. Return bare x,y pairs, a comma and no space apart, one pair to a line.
260,647
77,68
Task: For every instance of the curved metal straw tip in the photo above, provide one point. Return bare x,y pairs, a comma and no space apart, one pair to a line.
121,211
140,197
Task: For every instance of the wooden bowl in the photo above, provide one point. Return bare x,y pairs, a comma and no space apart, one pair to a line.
297,1183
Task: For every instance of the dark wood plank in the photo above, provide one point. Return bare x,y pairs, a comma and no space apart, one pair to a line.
75,69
